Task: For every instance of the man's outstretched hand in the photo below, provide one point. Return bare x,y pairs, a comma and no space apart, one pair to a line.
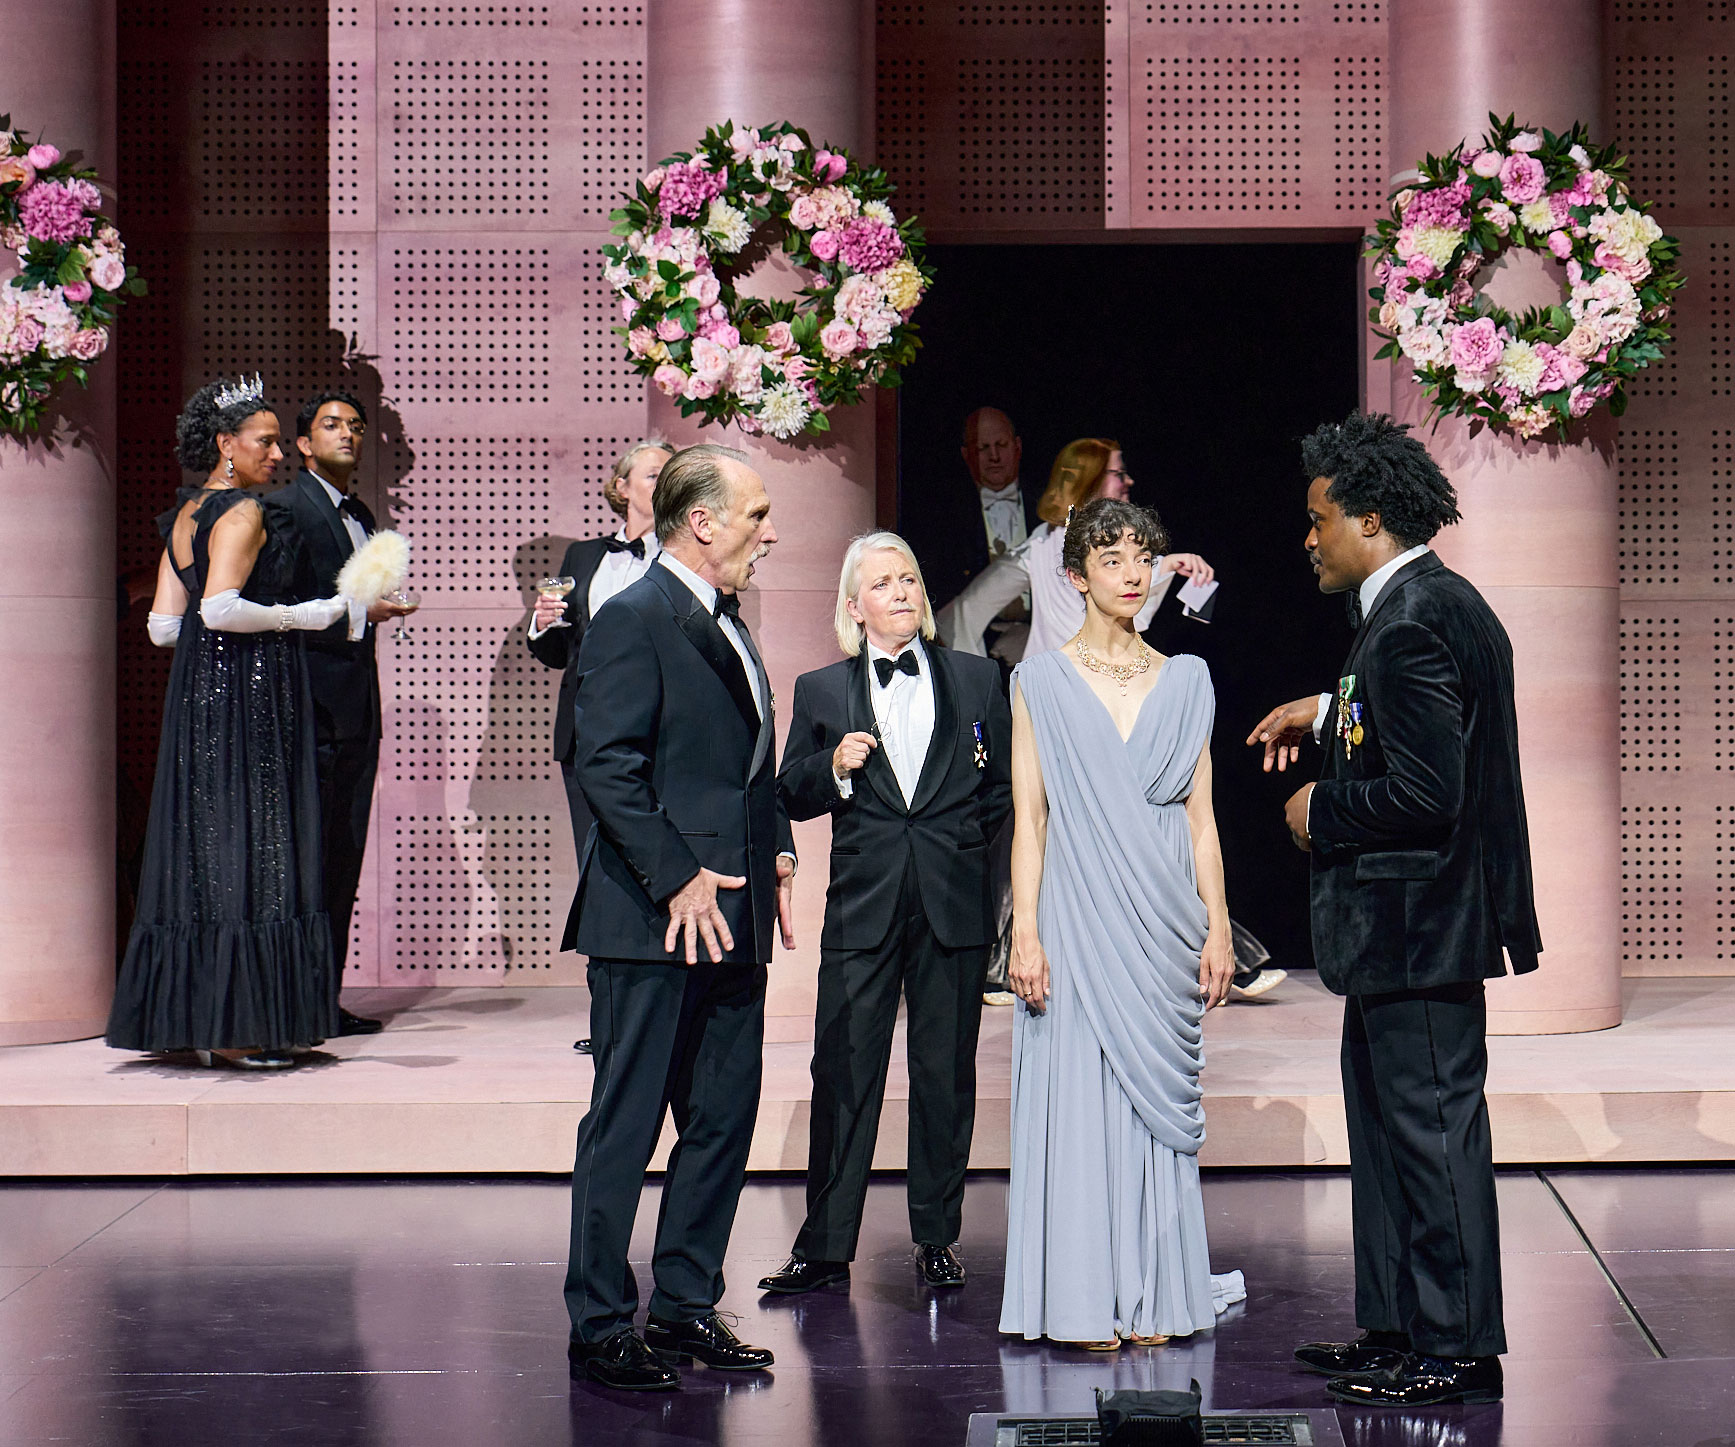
1282,731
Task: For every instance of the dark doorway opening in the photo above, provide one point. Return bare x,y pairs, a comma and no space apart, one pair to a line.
1207,363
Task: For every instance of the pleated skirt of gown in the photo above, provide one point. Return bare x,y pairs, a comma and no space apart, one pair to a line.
1106,1226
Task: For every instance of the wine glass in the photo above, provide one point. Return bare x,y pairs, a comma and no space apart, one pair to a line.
404,598
556,587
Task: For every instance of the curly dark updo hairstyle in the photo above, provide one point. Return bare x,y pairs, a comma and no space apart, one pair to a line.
1376,466
1103,523
201,420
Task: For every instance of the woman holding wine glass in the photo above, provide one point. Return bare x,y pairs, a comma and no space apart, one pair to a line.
592,572
230,953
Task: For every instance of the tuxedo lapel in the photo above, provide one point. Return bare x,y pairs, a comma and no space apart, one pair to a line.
317,498
1394,585
703,633
940,745
767,723
878,770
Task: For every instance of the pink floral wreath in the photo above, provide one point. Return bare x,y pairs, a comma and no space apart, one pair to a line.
1532,189
767,366
55,314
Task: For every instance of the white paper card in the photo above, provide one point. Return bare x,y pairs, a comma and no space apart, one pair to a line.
1194,595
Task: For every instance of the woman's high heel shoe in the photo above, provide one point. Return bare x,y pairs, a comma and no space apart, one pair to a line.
253,1060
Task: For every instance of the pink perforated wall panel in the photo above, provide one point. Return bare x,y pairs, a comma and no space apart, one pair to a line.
1668,87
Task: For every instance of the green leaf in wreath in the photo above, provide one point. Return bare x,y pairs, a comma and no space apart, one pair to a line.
819,422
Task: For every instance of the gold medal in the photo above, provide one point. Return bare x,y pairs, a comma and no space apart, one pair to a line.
1355,736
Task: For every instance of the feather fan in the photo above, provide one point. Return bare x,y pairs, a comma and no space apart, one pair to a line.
378,567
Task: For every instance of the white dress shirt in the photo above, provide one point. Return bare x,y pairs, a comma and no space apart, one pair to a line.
1056,607
707,595
1372,586
903,718
618,571
357,536
1003,517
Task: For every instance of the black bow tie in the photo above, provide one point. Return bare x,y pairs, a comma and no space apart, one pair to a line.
727,603
905,662
351,507
636,547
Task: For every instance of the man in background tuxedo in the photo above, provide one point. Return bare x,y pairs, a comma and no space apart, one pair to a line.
332,523
958,529
686,876
907,746
1421,882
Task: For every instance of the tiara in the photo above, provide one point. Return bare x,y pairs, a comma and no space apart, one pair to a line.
242,391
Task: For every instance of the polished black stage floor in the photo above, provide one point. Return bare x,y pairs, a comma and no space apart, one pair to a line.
427,1312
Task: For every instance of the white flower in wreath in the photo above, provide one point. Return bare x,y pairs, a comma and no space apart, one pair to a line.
1437,243
727,226
1424,346
901,282
645,287
879,211
743,143
1530,421
1526,141
617,274
1537,216
784,410
705,289
876,328
1580,158
1521,367
1472,382
1629,234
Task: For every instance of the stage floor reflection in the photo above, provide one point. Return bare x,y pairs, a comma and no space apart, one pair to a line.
427,1312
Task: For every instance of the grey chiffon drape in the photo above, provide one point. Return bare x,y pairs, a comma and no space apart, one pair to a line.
1106,1223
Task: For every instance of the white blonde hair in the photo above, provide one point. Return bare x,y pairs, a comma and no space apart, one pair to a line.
850,634
611,493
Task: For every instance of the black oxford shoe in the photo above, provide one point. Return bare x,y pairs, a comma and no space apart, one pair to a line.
582,1046
1372,1351
708,1340
622,1361
796,1276
348,1024
1422,1381
939,1265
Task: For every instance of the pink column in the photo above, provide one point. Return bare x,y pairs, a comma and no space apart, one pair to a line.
57,603
1539,530
754,62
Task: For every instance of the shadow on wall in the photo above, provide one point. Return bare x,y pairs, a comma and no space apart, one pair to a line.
517,802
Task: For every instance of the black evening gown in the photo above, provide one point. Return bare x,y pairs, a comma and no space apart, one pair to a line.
230,947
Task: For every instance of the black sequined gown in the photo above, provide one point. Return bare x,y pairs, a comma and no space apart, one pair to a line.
231,947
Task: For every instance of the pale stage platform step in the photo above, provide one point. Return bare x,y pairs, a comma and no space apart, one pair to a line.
486,1080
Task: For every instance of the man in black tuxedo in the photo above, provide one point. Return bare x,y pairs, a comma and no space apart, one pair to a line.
958,528
1421,882
686,876
332,522
907,746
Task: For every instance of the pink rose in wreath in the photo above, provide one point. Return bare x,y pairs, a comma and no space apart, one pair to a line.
109,272
1522,179
824,245
42,155
89,344
838,338
1476,348
669,379
76,291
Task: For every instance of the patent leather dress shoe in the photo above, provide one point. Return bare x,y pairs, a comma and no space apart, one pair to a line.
582,1046
624,1362
707,1340
1372,1351
348,1024
796,1276
1423,1381
939,1265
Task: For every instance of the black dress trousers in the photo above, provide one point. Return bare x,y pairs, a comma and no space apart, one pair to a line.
663,1037
1427,1229
346,791
853,1022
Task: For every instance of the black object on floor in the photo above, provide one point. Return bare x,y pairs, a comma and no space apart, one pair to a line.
348,1024
582,1046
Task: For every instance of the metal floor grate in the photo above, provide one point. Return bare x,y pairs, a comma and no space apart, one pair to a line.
1274,1428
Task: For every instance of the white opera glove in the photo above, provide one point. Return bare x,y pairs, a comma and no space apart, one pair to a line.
164,628
229,612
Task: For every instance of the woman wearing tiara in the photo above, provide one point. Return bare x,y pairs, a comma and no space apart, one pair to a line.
230,953
1120,943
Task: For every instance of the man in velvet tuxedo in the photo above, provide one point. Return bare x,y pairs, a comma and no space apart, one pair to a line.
958,528
332,522
907,746
1421,890
685,879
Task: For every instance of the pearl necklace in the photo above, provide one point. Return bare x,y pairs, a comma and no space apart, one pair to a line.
1121,673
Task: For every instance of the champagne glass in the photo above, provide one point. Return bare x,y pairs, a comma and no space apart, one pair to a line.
556,587
404,598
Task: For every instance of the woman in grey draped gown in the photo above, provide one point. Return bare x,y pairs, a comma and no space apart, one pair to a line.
1121,941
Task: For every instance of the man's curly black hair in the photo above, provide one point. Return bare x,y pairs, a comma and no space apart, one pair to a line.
1376,466
201,420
